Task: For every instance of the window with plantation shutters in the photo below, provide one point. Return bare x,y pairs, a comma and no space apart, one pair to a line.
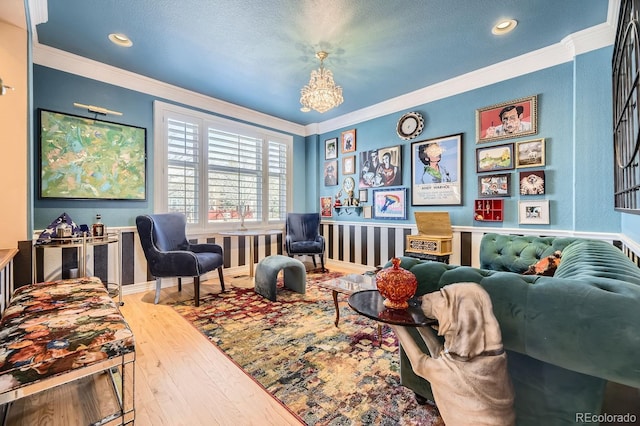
182,168
277,187
235,176
219,172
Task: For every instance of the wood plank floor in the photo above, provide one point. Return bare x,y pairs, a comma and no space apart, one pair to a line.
181,378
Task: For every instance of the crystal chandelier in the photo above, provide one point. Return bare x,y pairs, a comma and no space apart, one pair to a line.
321,93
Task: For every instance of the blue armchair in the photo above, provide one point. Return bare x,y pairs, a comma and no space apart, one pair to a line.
170,254
303,236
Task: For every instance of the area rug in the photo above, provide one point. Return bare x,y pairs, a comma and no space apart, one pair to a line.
326,375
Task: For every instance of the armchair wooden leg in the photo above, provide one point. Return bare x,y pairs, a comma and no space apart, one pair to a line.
196,290
179,284
313,257
221,278
158,288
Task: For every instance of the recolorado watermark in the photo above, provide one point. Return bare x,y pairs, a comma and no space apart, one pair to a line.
605,417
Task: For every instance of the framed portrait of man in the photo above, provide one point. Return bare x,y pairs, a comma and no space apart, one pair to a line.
511,119
331,173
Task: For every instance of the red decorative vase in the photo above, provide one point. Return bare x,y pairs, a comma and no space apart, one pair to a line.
396,285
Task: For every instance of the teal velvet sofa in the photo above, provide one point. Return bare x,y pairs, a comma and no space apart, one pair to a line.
566,335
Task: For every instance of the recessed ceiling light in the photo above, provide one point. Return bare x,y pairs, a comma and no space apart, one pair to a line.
504,26
120,39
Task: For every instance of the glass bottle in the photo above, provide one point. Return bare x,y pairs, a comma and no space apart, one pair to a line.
97,229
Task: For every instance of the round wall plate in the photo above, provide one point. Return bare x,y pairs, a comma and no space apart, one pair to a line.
410,125
348,184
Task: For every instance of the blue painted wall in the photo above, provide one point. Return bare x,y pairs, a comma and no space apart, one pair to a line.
574,117
56,90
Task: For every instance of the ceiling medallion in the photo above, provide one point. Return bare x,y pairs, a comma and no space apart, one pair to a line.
321,94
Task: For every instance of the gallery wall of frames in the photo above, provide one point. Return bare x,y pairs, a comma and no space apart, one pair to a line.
509,161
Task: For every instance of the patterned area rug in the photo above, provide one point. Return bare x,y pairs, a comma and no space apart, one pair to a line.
326,375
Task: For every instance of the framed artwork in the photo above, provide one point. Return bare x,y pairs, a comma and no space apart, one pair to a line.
348,141
494,186
325,207
390,203
532,183
349,165
381,167
534,212
498,157
331,149
366,212
511,119
331,173
436,171
530,153
363,195
89,159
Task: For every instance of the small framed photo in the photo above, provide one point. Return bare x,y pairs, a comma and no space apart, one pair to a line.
348,141
530,153
531,183
498,157
325,207
349,165
331,149
494,186
534,212
331,173
390,203
366,212
510,119
363,195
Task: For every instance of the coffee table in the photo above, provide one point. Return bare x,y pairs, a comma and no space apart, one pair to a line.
348,284
370,304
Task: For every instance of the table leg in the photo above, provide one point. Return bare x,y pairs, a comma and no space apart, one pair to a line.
379,332
251,256
335,303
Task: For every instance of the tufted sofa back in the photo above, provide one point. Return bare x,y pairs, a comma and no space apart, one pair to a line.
515,253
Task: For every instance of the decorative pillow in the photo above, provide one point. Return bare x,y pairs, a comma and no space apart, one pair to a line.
546,266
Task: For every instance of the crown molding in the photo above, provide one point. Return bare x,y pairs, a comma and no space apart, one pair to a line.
575,44
38,11
78,65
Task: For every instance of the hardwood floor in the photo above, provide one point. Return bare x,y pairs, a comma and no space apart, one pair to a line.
181,378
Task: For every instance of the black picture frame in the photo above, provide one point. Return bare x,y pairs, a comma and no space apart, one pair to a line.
495,158
442,186
84,158
494,185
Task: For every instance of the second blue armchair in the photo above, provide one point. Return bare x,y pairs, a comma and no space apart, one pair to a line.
303,236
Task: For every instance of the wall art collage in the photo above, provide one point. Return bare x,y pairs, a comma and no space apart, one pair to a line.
496,124
436,168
